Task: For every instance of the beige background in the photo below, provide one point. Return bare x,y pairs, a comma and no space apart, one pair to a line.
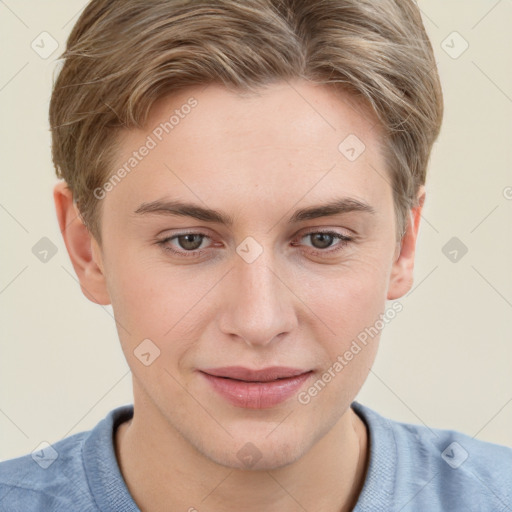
445,361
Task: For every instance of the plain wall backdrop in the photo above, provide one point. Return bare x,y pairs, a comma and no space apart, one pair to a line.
444,361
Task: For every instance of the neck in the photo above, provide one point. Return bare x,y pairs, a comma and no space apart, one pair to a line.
163,471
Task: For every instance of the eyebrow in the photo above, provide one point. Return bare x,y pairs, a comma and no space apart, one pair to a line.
180,208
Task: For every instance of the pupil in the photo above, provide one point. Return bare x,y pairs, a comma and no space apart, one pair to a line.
189,241
324,239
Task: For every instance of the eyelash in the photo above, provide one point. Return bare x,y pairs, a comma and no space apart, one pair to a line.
343,241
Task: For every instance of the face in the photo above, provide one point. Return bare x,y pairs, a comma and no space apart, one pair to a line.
215,251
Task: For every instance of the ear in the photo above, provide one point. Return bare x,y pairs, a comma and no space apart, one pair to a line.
83,249
401,278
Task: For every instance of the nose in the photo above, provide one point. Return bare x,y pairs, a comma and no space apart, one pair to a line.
257,303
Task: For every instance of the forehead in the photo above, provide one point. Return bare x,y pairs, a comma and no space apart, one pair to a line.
299,113
290,139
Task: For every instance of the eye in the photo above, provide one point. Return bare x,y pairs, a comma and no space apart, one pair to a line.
322,241
188,244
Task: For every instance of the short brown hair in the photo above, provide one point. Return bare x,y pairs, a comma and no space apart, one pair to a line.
123,55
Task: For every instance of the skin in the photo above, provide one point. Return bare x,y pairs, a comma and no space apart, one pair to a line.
257,158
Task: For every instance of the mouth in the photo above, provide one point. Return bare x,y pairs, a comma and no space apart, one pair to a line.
248,375
256,389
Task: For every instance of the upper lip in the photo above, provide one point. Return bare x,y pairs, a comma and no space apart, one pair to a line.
263,375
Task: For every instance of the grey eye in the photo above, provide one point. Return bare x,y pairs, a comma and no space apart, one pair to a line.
190,242
321,240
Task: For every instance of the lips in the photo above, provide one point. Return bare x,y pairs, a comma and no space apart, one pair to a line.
256,389
247,375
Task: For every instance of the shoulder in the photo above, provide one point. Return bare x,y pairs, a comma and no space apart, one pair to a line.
50,478
79,472
440,469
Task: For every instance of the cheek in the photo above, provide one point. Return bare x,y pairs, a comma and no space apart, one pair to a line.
349,303
349,306
136,294
350,296
154,301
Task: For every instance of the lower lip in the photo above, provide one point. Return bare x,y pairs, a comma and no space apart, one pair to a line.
256,395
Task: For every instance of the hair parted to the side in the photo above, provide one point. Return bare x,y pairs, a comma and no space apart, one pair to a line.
123,55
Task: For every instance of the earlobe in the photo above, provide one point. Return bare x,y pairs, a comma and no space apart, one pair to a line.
82,248
402,278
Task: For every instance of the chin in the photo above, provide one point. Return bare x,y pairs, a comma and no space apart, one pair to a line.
252,453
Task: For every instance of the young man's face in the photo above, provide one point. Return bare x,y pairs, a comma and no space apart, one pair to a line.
268,289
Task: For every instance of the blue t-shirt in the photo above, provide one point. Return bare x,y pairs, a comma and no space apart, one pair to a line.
411,468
